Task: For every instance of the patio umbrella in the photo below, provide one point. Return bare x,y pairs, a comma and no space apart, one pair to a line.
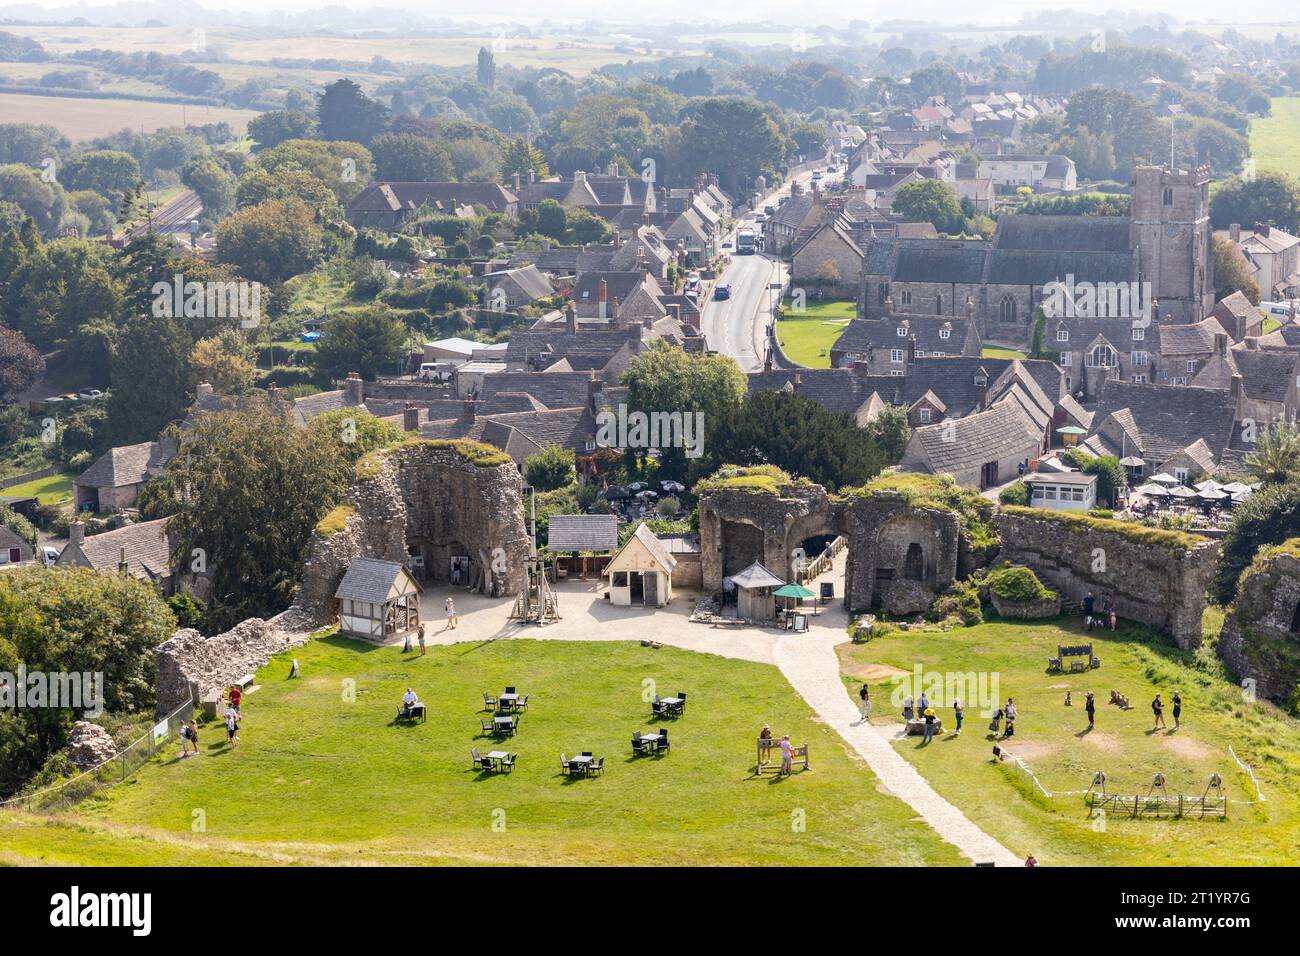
1153,491
1071,430
1213,494
1164,479
637,485
1209,484
1235,488
672,486
1181,491
647,494
793,591
1132,461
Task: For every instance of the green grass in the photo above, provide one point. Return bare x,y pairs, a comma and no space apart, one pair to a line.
1275,139
992,351
1050,738
53,490
807,336
318,779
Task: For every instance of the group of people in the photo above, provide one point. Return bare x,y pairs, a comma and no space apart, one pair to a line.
787,749
230,719
1092,619
1157,708
1007,713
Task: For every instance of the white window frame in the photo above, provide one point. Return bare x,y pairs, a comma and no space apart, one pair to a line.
902,331
945,333
1062,335
924,415
1066,359
1191,366
1141,357
1139,334
897,355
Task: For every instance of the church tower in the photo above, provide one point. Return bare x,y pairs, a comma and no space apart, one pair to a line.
1171,235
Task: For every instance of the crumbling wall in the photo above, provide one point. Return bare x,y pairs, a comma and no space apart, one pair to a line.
899,556
1260,641
425,496
779,523
1160,582
188,665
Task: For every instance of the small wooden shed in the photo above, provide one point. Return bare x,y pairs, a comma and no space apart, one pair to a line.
641,572
754,587
378,599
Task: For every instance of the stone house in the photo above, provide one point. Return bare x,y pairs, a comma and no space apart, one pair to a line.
1054,173
385,205
1091,350
514,288
641,573
1274,257
888,345
142,550
829,259
1238,317
13,549
114,480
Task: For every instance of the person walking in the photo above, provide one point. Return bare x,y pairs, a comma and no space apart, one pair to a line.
996,722
958,713
419,636
194,736
1158,708
1011,718
232,729
1091,707
864,704
450,607
1178,708
185,740
1110,610
787,756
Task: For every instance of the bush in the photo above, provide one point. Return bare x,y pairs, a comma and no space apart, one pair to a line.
960,601
189,612
1017,584
1014,494
1270,516
550,468
668,507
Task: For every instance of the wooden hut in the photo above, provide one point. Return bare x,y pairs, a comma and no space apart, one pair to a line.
378,599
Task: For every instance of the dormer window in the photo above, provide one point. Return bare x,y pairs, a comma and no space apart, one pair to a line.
945,333
1062,335
981,379
902,331
1139,334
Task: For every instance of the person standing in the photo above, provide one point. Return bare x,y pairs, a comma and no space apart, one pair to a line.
1089,602
236,698
958,713
787,755
864,704
1178,708
185,739
907,707
1091,707
419,636
923,704
1011,718
928,714
1158,708
450,607
232,729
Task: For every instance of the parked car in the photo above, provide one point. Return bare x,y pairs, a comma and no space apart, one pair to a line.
49,556
90,394
69,396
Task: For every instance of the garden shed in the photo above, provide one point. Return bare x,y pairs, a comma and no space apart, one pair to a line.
378,599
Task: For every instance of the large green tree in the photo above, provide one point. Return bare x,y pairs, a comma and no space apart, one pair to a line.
344,112
272,241
1269,197
1270,516
932,201
367,341
405,157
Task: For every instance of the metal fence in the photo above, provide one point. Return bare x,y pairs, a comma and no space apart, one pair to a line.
111,772
30,476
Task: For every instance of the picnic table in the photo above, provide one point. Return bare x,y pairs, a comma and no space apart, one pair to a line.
651,741
581,763
505,723
509,700
673,704
496,756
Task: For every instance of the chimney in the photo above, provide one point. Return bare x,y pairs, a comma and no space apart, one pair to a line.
767,364
611,169
354,391
205,388
570,317
410,418
970,309
579,176
273,392
122,567
861,369
613,308
532,176
911,349
1236,386
1234,232
76,532
469,408
595,388
798,380
674,310
618,239
602,295
1252,343
1221,343
1262,230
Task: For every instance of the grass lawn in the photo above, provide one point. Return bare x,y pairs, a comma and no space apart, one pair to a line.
1275,139
1052,741
992,351
53,490
316,779
807,336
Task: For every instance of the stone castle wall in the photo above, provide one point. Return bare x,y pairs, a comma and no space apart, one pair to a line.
192,666
1259,640
1151,583
899,557
738,527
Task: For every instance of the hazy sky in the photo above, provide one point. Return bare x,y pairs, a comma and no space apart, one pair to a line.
807,12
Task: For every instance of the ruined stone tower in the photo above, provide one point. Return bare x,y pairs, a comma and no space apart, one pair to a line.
1171,235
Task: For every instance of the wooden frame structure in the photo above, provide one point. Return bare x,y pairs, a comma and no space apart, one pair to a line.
1157,802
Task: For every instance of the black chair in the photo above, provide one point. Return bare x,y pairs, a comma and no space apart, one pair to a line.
522,703
508,763
663,741
510,690
597,766
489,726
489,702
657,706
638,745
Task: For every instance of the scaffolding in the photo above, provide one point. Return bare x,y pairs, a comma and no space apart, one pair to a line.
537,603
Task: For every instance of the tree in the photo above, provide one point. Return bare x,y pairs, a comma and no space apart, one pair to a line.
343,166
289,181
1275,459
1111,476
213,184
405,157
273,128
521,158
149,373
552,219
251,489
891,432
487,67
932,201
20,364
343,112
733,137
43,202
1270,516
109,172
367,341
353,433
800,436
664,379
75,621
550,468
1232,271
222,362
1270,197
272,241
583,227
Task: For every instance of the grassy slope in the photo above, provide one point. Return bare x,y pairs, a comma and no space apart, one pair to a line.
52,490
319,780
993,351
1050,738
1275,139
807,336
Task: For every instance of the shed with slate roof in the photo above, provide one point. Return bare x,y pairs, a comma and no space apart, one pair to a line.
377,599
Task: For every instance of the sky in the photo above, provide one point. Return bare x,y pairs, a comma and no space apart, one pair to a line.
805,12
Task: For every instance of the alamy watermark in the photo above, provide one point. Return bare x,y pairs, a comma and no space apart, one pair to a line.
71,690
209,300
656,430
977,690
1069,299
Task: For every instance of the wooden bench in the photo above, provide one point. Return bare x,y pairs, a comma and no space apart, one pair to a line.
211,703
769,757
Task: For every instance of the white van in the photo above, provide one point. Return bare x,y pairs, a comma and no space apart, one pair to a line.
436,371
1279,310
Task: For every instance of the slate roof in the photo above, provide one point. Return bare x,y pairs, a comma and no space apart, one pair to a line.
1265,375
952,379
861,334
583,533
1286,337
148,551
1041,266
835,389
956,446
554,345
552,389
755,576
391,197
560,260
926,260
369,580
1083,331
1165,419
1189,339
529,280
521,434
127,465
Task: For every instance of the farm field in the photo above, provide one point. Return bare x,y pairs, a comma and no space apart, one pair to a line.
81,118
1054,743
1275,140
323,780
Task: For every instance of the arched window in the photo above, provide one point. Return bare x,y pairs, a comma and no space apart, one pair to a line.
1102,356
1007,311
